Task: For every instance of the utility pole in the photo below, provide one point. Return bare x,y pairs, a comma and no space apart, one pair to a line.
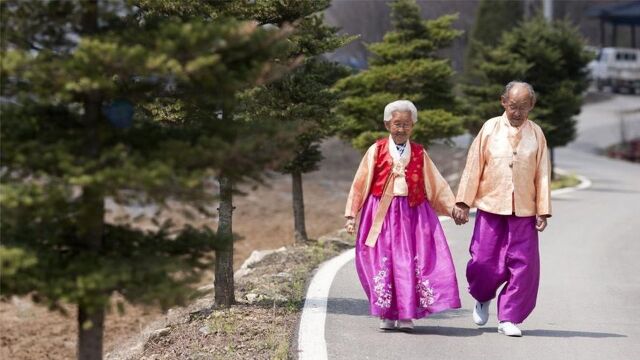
547,9
527,9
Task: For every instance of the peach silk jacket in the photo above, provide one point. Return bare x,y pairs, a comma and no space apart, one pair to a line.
507,170
437,190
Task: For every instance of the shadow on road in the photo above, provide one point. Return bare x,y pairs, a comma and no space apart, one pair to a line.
360,307
558,333
446,331
570,334
348,306
609,190
565,198
452,314
468,332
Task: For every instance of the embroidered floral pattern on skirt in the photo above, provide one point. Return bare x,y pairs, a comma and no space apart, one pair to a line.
382,288
409,273
423,288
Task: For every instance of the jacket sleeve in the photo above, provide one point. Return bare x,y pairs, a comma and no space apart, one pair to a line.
361,183
543,176
470,180
437,189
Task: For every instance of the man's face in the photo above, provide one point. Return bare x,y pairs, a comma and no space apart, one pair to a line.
400,126
517,104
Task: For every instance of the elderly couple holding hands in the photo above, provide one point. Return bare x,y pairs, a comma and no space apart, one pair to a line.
402,257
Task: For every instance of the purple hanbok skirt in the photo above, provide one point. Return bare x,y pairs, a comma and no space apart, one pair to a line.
409,273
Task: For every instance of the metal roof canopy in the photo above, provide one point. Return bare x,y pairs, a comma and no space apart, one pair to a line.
625,14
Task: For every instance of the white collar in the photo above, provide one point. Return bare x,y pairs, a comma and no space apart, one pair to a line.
395,154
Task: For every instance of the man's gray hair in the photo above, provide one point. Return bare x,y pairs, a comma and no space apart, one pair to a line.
400,105
512,84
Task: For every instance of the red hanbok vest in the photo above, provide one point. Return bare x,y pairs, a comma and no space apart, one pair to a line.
413,174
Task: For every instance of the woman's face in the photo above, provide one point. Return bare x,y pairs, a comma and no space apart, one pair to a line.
400,126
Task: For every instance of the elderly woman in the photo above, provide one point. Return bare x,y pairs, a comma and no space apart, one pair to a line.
402,257
507,178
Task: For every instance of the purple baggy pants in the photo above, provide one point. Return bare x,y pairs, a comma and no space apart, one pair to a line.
504,249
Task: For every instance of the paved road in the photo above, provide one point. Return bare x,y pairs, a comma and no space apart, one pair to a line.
589,299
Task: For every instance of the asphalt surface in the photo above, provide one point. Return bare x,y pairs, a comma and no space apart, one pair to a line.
589,297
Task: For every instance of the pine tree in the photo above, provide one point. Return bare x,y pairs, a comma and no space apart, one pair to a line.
549,56
93,107
403,66
493,17
244,162
245,148
303,99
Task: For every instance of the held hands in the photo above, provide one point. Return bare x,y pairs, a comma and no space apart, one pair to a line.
350,226
541,222
460,214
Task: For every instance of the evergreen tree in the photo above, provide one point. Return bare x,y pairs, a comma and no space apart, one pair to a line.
493,17
303,99
256,113
552,58
403,66
246,148
93,108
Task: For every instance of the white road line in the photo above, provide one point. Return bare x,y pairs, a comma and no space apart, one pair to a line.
311,341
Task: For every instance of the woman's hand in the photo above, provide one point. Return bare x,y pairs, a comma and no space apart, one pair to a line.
541,222
350,226
460,213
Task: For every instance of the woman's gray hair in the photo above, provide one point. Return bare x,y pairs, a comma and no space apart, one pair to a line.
400,105
512,84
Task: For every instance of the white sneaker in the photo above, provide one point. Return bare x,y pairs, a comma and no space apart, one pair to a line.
481,312
405,325
509,329
386,324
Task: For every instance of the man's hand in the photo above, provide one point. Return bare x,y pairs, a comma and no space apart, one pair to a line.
350,226
541,223
455,214
460,213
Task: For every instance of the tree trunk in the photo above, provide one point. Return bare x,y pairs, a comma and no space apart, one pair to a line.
91,210
300,230
90,233
553,163
223,284
91,319
90,330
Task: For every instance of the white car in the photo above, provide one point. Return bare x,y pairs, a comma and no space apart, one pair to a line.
618,68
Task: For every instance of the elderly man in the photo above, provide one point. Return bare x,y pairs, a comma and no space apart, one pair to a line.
402,257
507,178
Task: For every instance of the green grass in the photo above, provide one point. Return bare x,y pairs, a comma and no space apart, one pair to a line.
277,340
563,181
316,254
223,323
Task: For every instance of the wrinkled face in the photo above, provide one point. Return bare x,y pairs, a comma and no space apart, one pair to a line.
517,104
400,126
